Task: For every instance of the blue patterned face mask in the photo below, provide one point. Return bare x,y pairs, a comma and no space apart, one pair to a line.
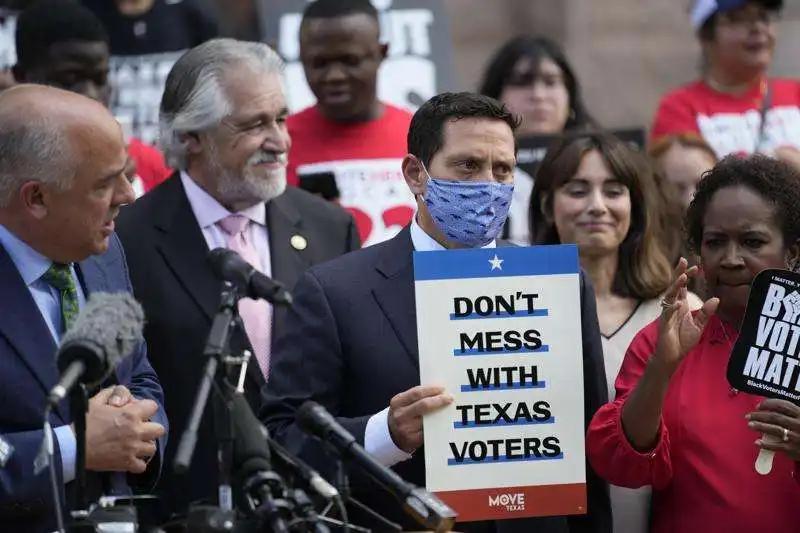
466,212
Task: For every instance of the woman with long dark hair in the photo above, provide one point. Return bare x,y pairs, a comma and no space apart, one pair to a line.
533,77
595,191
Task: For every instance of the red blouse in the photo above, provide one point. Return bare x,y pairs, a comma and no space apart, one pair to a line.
702,468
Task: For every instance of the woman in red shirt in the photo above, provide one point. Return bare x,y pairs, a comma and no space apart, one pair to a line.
676,425
735,107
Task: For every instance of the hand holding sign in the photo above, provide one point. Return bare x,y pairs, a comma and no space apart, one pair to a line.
765,362
406,411
779,420
680,329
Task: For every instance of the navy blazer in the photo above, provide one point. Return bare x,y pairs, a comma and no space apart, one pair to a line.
350,344
27,352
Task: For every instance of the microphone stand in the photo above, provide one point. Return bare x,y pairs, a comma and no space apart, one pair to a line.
79,406
343,486
217,354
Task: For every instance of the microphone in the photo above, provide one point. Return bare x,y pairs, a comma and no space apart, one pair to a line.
263,488
423,506
308,474
230,266
106,330
250,435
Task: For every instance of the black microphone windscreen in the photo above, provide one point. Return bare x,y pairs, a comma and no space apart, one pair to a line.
228,265
306,418
110,322
250,435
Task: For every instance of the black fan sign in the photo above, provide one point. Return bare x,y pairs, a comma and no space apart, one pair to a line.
766,358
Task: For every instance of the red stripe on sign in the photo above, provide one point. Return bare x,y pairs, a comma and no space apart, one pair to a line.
516,502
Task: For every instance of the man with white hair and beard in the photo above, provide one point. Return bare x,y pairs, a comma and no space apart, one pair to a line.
223,127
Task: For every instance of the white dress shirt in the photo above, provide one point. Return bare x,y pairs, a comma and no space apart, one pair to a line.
377,438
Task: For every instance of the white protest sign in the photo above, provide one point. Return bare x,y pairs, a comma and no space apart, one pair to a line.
374,192
500,329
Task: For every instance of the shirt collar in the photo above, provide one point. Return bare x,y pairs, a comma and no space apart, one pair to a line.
425,243
209,211
31,264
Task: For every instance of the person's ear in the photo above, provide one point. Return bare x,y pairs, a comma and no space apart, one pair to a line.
192,143
34,198
415,175
383,50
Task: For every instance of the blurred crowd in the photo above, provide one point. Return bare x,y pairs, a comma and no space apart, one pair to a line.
672,219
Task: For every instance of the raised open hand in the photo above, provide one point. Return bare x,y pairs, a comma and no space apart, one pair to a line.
680,330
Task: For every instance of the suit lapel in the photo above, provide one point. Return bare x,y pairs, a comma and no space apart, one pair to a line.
25,327
184,248
395,292
283,224
92,275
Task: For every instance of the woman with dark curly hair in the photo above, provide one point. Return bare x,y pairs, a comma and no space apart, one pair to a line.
676,424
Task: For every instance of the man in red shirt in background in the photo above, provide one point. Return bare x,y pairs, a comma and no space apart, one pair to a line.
349,145
63,44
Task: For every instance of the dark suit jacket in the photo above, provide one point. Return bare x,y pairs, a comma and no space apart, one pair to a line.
29,372
350,344
180,295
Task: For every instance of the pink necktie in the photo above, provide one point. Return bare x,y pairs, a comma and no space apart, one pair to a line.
256,314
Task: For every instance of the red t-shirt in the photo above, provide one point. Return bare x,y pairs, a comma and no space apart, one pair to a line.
730,124
150,166
365,160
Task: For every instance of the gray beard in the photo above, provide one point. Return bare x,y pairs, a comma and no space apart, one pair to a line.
246,187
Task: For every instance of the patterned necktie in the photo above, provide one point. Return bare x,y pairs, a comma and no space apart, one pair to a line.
256,314
60,277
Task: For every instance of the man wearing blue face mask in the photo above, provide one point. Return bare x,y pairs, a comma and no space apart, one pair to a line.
350,341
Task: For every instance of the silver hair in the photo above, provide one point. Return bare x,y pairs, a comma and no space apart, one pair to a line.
33,149
194,98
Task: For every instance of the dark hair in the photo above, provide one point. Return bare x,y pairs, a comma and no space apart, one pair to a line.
777,182
47,22
644,270
327,9
502,64
426,132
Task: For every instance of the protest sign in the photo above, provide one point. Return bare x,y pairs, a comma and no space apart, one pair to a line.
765,360
419,64
138,83
500,329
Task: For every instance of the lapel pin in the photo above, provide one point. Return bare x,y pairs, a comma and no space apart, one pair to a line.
299,242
